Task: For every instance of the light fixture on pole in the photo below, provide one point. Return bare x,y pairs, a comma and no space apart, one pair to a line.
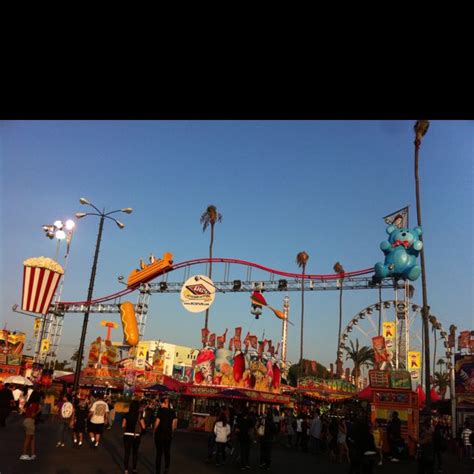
421,127
103,215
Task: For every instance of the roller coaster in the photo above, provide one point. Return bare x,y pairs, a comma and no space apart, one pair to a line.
274,280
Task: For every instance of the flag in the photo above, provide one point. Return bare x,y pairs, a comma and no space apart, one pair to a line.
277,349
221,340
237,344
261,347
253,341
204,336
238,332
398,218
212,339
247,340
37,326
231,344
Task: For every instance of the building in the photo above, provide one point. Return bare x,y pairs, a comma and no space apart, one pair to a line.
178,360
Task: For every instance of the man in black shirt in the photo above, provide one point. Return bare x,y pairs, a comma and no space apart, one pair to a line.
165,424
245,426
6,402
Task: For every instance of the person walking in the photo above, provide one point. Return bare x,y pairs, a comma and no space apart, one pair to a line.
244,429
98,418
440,445
17,392
394,435
299,430
6,403
211,440
426,452
343,451
79,421
165,424
466,435
267,431
33,408
315,432
111,416
222,431
133,424
64,416
378,441
290,423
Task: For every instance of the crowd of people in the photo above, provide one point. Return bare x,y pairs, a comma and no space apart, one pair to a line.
344,437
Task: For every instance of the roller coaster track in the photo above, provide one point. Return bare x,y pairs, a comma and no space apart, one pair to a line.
200,261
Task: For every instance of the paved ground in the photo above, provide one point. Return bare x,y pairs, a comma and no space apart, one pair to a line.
188,452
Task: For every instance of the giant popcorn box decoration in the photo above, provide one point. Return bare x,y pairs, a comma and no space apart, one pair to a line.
40,279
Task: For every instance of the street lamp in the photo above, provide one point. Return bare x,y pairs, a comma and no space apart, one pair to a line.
103,215
421,127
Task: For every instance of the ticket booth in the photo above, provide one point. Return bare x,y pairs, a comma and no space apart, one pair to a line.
391,391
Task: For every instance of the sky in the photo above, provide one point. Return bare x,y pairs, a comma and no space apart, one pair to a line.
281,186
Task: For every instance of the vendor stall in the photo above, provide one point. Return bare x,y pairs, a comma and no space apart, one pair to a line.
391,391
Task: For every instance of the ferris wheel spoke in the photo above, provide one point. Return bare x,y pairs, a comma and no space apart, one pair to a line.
363,332
369,317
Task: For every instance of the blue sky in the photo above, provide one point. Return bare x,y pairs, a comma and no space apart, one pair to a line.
282,187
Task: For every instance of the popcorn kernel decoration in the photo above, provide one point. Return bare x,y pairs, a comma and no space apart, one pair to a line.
44,262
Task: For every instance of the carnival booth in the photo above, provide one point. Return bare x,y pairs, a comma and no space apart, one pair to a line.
391,391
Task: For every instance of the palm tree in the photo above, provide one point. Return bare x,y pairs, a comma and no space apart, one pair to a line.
338,268
301,260
442,382
359,356
209,218
441,364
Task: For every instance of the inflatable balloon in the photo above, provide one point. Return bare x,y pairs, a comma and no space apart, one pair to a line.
401,251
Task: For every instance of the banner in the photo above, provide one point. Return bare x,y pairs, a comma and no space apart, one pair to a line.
198,293
464,374
414,365
44,346
141,355
400,379
390,335
398,218
380,351
109,354
37,326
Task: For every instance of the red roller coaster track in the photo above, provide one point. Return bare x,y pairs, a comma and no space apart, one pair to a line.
197,261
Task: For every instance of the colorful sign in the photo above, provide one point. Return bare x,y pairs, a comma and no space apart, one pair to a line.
400,379
380,351
198,293
390,335
464,378
109,354
9,370
12,343
326,385
379,378
41,276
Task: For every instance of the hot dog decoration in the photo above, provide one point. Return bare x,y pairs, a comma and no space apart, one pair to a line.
129,323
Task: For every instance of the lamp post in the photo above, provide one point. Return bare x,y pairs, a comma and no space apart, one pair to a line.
421,127
103,215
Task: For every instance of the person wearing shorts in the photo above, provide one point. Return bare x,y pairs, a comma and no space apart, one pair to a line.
98,418
32,410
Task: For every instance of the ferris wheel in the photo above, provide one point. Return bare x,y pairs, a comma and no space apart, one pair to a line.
401,324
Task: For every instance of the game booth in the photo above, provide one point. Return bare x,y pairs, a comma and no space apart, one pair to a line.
389,391
235,377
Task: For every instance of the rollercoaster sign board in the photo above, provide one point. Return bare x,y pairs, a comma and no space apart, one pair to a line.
198,293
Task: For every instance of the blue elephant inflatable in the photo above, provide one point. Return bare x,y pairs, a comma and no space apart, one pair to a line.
401,251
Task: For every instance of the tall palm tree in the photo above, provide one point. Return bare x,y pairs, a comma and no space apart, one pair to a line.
338,268
209,218
441,363
301,260
359,356
442,382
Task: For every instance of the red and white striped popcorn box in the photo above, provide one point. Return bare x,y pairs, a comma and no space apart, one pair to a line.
41,277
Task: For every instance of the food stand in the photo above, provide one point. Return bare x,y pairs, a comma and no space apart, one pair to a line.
391,391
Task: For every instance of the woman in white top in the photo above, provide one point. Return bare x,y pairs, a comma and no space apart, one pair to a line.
222,432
